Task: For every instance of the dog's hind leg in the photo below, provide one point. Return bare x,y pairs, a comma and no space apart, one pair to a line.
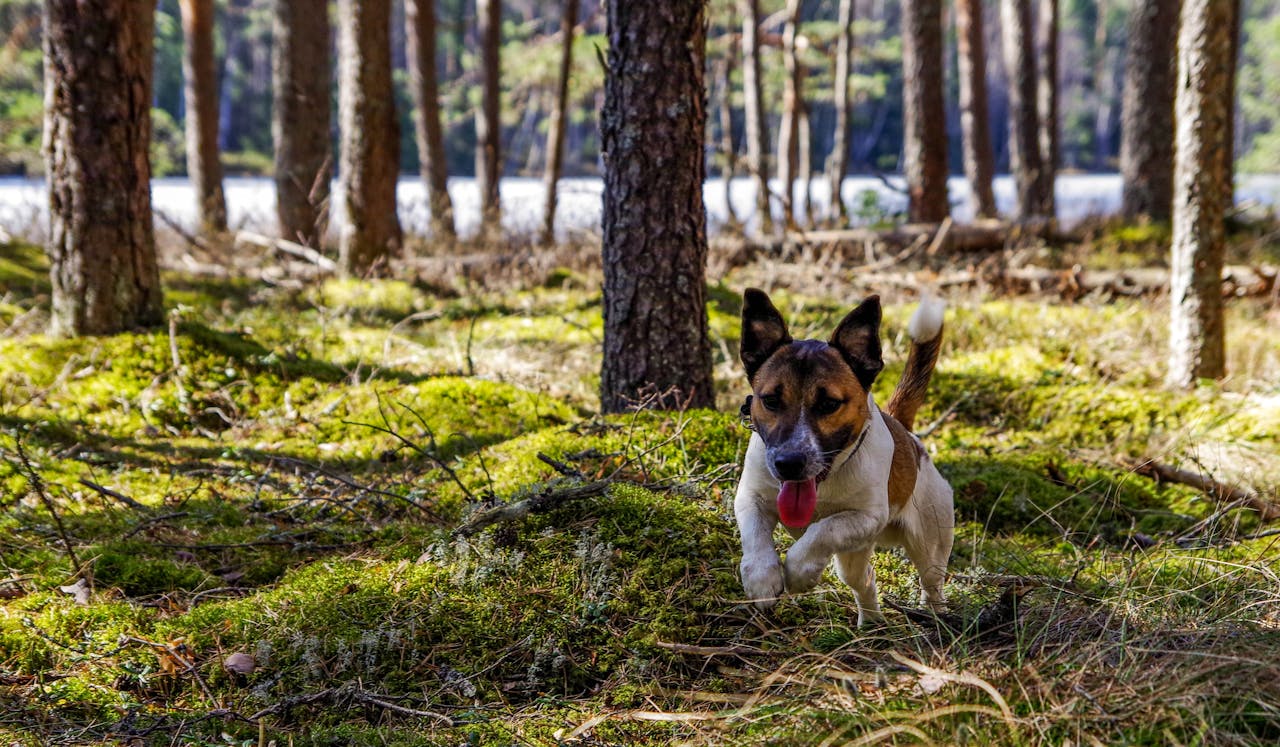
854,568
929,555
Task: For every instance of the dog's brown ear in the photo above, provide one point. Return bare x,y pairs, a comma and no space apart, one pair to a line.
763,330
858,340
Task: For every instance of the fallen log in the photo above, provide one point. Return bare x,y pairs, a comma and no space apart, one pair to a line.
1221,492
1237,280
287,247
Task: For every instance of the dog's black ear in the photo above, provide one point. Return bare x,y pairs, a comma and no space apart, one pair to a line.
763,330
858,340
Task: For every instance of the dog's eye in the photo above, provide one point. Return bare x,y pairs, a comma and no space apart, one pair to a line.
771,402
827,405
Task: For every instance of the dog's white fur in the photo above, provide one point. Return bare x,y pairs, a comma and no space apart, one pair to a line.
852,515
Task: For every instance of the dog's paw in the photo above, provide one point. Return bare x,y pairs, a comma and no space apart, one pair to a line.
803,572
762,580
870,618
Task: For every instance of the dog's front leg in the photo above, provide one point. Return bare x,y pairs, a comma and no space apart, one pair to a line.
847,531
761,569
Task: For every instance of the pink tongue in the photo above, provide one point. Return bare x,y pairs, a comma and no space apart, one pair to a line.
796,502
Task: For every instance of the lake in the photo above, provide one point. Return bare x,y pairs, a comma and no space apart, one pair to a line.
250,201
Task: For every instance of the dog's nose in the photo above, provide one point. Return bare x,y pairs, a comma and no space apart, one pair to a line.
790,465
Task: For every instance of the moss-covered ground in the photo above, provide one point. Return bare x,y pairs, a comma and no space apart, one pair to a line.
239,529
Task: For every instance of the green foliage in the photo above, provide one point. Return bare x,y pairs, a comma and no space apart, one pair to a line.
1259,89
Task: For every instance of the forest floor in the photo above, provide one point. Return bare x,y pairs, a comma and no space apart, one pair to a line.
242,528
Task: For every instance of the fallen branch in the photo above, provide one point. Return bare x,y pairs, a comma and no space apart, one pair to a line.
108,492
545,500
1219,491
694,650
287,247
343,697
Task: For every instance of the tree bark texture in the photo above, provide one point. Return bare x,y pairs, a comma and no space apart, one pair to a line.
788,152
97,131
724,82
558,125
370,152
1024,122
1047,103
754,122
1202,175
839,165
420,44
656,345
200,89
975,123
924,119
488,115
300,82
1146,130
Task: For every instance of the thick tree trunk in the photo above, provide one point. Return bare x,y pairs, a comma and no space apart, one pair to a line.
1024,121
838,167
924,119
300,81
488,116
788,152
420,44
975,126
753,111
1202,175
200,89
370,155
656,346
1146,131
1047,104
559,122
97,131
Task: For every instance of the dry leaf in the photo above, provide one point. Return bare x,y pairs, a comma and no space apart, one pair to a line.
240,663
80,590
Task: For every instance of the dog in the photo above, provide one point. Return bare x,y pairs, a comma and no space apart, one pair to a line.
841,474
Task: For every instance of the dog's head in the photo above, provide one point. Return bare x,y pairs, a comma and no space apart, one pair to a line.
809,398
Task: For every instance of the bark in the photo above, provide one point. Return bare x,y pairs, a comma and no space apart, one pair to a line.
724,81
488,121
924,120
1024,121
804,149
788,130
200,89
300,81
1047,103
975,125
753,111
558,125
1103,89
656,345
420,44
1146,130
839,166
370,153
97,130
1202,175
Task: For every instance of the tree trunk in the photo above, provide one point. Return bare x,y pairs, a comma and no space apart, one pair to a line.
788,130
656,346
753,111
924,119
1202,175
559,121
200,90
1047,104
724,81
839,165
488,121
1103,86
300,81
420,47
975,125
97,131
804,162
1024,122
1146,131
370,153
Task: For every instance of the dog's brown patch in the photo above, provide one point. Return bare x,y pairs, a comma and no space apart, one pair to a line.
905,465
808,382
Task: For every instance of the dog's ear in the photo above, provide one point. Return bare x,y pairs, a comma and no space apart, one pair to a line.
858,340
763,330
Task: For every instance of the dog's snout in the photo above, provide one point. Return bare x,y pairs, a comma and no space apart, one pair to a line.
790,465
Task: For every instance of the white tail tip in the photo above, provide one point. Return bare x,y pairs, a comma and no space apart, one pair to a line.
926,322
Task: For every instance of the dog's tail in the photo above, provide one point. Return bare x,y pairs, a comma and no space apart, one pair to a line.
925,329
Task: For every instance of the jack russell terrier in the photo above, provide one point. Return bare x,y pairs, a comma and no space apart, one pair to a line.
841,474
